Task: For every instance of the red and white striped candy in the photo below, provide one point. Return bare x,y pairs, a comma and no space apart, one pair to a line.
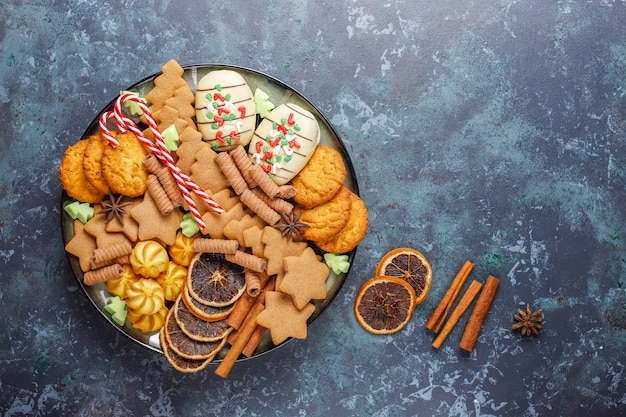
184,182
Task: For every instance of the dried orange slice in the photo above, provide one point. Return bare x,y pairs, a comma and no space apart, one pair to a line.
384,305
410,265
213,281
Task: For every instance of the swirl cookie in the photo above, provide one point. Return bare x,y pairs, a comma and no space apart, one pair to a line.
284,142
225,110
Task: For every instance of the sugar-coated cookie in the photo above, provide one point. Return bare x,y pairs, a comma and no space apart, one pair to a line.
285,141
320,179
352,233
122,167
225,109
72,175
96,144
326,220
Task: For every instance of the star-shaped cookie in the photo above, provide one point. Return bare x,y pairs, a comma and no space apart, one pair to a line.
81,245
277,247
153,224
283,318
304,279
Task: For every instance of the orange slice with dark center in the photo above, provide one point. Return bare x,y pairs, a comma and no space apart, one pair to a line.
185,346
410,265
384,305
178,362
214,281
203,311
196,328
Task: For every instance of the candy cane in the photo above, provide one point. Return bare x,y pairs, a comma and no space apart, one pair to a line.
184,182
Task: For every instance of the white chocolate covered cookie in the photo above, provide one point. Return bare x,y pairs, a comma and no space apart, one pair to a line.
285,141
225,110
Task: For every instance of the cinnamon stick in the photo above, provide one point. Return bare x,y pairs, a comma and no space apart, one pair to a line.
463,305
233,353
476,319
254,341
244,305
436,320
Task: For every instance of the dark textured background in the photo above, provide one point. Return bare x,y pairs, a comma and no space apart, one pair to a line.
492,131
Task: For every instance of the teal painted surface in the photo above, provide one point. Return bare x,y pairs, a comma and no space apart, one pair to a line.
493,131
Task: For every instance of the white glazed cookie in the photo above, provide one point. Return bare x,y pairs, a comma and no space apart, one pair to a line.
285,141
225,110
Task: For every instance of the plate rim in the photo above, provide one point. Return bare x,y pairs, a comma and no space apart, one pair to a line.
214,66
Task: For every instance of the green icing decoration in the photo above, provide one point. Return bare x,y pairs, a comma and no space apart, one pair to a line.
227,98
218,87
133,108
338,263
296,128
262,103
188,225
287,158
116,307
170,137
80,211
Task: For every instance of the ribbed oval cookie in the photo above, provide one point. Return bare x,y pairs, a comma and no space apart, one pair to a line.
72,175
225,109
285,141
326,220
122,167
320,179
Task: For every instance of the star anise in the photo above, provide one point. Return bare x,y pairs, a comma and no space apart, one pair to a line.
291,225
114,208
529,322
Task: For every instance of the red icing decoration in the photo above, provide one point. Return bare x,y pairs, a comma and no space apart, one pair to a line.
290,119
218,96
242,110
294,144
